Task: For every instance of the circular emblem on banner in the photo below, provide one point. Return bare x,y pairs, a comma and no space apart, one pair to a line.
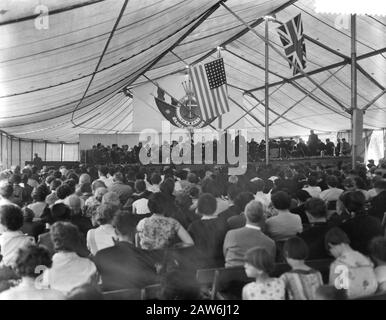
188,113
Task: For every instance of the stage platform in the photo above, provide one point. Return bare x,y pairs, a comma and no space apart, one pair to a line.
206,166
274,161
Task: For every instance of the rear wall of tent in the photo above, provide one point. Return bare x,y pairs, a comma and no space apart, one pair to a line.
15,151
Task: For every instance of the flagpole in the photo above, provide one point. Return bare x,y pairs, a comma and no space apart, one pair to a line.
266,93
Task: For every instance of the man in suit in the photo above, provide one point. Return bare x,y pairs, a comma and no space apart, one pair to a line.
238,241
123,265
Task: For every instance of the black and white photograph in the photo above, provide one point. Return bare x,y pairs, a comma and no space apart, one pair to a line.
188,155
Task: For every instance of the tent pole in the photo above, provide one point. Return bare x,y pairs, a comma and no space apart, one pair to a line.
266,56
356,114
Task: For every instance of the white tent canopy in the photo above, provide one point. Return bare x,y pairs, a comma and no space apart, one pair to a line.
66,80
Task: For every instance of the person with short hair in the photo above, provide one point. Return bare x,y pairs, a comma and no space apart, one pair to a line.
159,231
378,203
241,200
39,205
140,198
31,228
313,189
238,241
167,190
285,224
104,235
302,281
208,233
68,270
208,185
6,191
30,261
333,192
59,212
378,254
84,192
123,265
18,195
233,210
350,270
184,214
301,196
53,197
264,198
259,264
316,211
103,173
155,180
63,191
119,187
83,223
360,227
94,202
12,238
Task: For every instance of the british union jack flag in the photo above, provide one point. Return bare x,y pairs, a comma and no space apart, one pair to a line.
292,38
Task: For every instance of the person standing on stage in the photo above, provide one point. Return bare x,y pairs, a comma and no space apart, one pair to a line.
329,147
313,143
37,161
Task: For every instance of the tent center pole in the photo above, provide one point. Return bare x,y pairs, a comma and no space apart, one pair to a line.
266,93
356,114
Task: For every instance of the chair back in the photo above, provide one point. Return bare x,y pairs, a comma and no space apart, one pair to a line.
123,294
151,292
229,282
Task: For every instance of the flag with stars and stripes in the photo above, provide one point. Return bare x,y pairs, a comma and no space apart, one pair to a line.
210,88
292,38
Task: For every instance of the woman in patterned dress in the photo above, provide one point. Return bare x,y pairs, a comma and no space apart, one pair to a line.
258,264
159,231
302,281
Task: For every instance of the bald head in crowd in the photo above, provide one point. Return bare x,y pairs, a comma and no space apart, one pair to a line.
254,212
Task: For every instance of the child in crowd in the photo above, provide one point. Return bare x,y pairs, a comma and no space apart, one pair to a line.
302,281
259,264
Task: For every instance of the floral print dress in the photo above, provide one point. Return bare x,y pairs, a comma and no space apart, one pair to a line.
354,272
157,232
271,289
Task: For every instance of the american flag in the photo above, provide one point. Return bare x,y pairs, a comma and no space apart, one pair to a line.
209,85
292,38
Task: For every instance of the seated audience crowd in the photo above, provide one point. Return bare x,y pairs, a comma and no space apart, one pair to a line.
298,232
